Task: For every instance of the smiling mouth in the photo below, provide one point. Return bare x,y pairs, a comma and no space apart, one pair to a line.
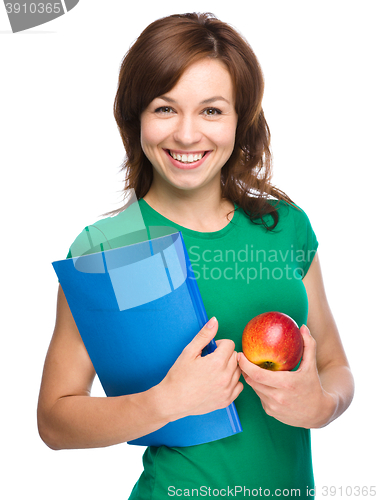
187,158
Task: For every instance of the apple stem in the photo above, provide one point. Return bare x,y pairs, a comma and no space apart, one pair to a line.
268,365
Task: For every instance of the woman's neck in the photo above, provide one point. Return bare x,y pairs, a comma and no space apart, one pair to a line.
204,212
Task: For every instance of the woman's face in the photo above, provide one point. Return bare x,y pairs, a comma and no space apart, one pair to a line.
188,133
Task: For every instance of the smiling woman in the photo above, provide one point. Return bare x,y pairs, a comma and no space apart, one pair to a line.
188,107
188,142
206,60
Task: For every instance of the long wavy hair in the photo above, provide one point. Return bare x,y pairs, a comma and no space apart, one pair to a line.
154,65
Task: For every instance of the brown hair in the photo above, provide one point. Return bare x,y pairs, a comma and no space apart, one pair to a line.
153,66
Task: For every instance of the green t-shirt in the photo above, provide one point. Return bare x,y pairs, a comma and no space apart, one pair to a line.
242,270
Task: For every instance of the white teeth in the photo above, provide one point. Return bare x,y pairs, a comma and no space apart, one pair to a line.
190,158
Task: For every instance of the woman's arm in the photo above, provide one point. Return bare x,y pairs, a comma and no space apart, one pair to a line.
69,418
334,372
322,388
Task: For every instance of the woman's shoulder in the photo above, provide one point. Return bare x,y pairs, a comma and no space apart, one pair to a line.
280,216
292,221
290,213
123,229
293,216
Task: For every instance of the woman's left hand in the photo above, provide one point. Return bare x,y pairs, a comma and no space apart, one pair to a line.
295,398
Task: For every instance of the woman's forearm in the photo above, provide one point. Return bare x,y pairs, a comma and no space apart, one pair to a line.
194,385
92,422
337,381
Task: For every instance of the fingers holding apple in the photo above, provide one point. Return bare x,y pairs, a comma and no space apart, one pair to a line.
275,350
309,348
292,397
257,377
272,340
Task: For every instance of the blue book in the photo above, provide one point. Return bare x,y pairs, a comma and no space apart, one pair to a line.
136,308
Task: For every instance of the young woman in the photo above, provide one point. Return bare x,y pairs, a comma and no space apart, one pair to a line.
189,112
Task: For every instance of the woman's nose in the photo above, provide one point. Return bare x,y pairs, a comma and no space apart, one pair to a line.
187,131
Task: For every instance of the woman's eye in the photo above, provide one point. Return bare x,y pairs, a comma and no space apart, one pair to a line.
164,110
212,112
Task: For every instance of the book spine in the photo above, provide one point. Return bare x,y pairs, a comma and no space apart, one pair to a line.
202,320
196,297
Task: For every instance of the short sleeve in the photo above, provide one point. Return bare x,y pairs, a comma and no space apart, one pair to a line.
126,228
79,245
307,243
88,241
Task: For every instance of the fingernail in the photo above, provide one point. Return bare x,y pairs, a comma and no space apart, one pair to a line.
307,328
211,322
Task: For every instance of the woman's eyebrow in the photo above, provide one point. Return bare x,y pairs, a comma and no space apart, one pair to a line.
206,101
213,99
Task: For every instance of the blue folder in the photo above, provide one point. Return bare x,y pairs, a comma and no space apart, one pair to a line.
136,307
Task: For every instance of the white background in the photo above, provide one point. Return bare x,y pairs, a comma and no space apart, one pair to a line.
60,156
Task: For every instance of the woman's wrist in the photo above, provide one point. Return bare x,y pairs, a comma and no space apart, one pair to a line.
162,402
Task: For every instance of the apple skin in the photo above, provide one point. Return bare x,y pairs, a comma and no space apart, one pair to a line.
273,341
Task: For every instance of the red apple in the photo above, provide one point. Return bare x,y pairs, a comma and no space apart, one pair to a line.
273,341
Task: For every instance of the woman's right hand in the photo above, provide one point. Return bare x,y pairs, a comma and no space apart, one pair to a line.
200,384
69,417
